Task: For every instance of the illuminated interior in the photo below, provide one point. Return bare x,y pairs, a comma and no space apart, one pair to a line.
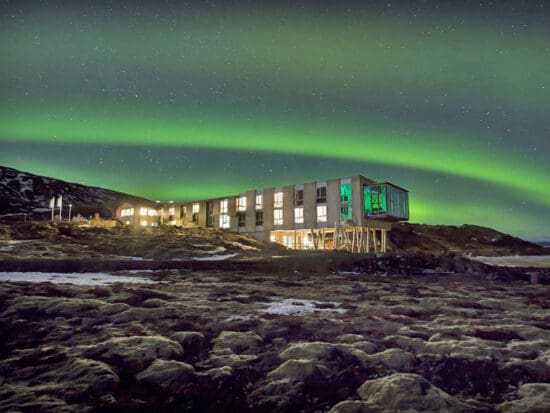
386,200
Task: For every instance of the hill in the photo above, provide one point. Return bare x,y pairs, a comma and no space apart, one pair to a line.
23,192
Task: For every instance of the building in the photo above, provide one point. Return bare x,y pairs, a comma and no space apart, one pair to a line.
353,214
139,214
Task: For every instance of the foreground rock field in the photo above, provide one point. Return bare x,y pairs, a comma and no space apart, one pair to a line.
224,342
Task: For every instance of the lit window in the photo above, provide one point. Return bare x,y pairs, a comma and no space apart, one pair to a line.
195,208
259,201
278,217
143,211
241,203
172,211
278,200
321,213
127,222
224,221
144,223
152,213
224,206
299,215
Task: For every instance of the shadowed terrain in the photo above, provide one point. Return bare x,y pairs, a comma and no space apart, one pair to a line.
228,323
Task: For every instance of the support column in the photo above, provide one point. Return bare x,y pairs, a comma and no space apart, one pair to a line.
367,247
374,238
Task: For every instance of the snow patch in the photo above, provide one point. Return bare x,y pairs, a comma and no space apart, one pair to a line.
298,305
216,250
349,273
87,278
244,247
238,317
540,261
214,257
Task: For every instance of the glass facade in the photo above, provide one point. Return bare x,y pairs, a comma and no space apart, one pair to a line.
386,199
345,202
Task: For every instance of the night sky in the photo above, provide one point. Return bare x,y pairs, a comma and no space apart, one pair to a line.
450,100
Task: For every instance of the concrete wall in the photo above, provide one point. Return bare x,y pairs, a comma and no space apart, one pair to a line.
250,211
202,214
333,202
232,211
268,209
310,205
288,207
357,199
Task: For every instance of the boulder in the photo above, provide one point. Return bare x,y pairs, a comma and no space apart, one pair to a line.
533,397
297,371
350,338
231,360
314,351
408,392
134,353
167,375
191,341
237,341
352,406
393,358
365,346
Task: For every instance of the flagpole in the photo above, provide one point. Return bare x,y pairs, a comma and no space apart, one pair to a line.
60,205
52,206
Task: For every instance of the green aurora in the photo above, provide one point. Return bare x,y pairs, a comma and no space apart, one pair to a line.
450,103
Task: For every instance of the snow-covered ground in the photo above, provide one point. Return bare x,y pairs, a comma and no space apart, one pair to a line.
244,247
87,278
214,257
540,261
299,305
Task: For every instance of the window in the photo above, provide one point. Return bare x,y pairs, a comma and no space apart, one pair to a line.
196,208
172,210
321,213
224,221
241,203
299,197
259,218
144,223
224,206
210,221
209,213
299,215
143,211
375,200
321,194
278,200
127,212
278,217
259,201
152,212
345,202
241,219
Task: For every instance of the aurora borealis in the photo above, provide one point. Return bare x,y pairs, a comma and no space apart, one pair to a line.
179,101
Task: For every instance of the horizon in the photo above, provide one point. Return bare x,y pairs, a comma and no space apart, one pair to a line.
196,101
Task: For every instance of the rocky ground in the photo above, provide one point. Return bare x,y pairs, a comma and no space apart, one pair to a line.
215,342
298,332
